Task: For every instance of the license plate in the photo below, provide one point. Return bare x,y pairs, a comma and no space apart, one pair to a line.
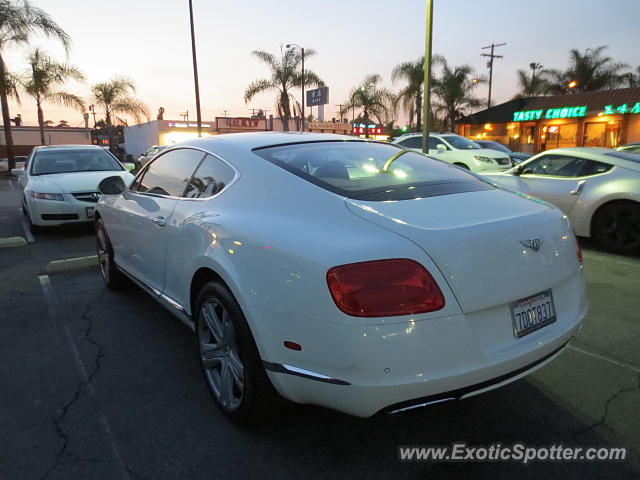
532,313
90,212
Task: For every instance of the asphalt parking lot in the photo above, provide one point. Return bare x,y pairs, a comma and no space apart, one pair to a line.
97,384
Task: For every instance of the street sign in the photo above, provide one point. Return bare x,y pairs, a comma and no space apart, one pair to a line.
319,96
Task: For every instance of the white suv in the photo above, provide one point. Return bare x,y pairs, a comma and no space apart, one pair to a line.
458,150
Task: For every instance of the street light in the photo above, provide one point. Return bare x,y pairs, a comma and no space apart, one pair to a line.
290,45
426,97
572,84
195,70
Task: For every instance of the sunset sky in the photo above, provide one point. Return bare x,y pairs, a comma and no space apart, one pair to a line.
148,40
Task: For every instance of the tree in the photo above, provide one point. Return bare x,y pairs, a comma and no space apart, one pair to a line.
114,96
42,81
633,80
590,70
285,75
410,97
372,99
19,20
534,85
453,93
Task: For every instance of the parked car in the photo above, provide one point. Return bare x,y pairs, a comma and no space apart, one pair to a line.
630,148
516,157
60,183
341,272
598,189
458,150
148,155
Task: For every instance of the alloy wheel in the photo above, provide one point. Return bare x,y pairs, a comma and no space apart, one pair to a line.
219,354
103,251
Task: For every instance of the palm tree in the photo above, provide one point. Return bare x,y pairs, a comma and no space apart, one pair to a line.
284,77
534,85
633,79
410,97
114,96
41,82
372,99
19,20
590,70
453,93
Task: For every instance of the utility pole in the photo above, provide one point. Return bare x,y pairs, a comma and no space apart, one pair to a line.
491,56
426,97
195,70
224,112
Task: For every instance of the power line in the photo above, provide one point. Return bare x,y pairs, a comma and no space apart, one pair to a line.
491,56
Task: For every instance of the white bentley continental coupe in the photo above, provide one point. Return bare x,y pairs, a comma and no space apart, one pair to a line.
345,273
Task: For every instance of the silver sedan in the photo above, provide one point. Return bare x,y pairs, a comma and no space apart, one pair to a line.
597,188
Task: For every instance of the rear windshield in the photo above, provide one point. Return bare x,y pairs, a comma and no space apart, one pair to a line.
632,157
46,162
372,171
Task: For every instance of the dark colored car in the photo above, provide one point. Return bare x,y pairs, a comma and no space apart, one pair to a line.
516,157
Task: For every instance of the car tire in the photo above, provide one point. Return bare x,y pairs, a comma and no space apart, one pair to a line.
113,278
616,227
229,358
462,165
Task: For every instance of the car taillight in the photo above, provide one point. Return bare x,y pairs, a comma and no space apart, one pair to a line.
384,288
578,251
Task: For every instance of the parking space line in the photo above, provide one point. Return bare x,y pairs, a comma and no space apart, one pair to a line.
11,185
604,358
25,227
52,303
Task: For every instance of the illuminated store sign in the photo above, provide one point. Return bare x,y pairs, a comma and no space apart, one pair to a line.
624,108
550,114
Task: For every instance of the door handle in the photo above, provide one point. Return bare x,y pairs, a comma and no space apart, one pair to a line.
160,221
578,188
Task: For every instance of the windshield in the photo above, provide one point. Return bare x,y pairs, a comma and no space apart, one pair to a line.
632,157
371,171
494,146
461,143
46,162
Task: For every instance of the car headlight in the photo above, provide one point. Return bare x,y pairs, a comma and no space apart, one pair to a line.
48,196
483,159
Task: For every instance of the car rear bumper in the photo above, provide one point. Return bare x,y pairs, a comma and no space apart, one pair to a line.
367,369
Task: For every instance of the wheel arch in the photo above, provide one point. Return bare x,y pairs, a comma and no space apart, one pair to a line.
607,204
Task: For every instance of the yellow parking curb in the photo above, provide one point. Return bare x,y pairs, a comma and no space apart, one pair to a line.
12,242
59,266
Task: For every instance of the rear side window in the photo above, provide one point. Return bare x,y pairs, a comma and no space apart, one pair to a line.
170,173
371,171
211,177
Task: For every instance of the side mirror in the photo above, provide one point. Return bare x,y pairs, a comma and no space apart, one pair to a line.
17,172
112,185
441,148
129,166
518,170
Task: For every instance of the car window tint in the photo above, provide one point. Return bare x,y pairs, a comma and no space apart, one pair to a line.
591,167
170,173
371,171
412,142
434,142
555,165
210,178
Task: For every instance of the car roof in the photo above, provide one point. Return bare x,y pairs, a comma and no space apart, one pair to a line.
606,155
70,146
254,140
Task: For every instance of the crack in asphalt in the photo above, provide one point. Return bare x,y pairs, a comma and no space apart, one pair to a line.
608,403
76,395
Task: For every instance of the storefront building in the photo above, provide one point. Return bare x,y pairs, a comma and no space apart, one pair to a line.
607,118
25,138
